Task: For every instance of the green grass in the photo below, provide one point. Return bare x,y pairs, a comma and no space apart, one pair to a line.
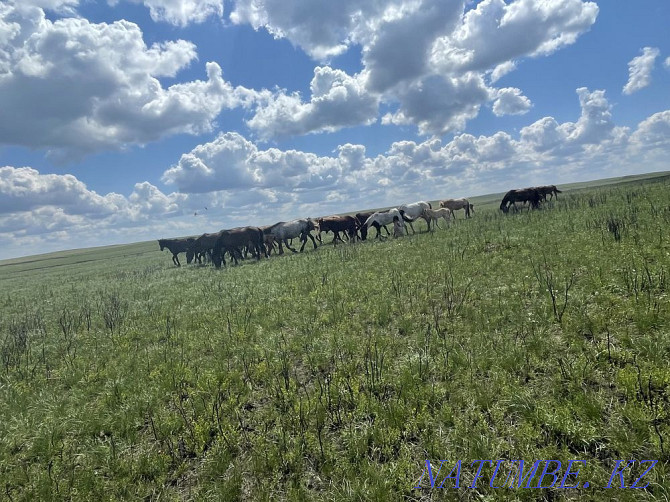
334,374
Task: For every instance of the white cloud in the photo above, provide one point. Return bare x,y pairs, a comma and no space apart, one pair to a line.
502,69
414,52
399,50
338,100
181,12
106,80
25,189
595,126
231,162
639,70
321,29
437,105
510,101
496,32
654,131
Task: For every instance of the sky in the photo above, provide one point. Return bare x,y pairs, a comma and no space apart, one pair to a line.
131,120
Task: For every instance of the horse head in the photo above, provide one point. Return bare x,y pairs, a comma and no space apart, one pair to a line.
161,243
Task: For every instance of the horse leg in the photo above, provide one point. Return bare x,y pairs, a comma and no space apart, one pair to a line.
289,246
175,259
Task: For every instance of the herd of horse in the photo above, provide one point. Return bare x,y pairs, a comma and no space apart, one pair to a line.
531,195
239,242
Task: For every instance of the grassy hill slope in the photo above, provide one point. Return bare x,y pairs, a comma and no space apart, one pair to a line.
336,373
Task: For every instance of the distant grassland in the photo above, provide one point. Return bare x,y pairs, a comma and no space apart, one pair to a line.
334,374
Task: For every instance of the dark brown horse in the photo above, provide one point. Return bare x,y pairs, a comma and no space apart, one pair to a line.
176,246
233,241
549,190
523,195
336,224
203,246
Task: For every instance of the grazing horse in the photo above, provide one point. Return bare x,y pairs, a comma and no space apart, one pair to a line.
549,190
523,195
235,239
176,246
283,231
382,218
456,204
336,224
362,218
435,214
411,212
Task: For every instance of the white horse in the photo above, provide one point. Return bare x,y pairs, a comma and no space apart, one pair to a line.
455,204
383,218
283,231
411,212
435,214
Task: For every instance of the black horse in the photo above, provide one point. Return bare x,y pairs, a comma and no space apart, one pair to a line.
235,240
176,246
531,195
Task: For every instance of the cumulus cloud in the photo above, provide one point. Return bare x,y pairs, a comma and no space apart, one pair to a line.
639,70
496,32
437,105
338,100
653,131
411,48
398,52
321,29
510,101
176,12
181,12
594,126
75,87
233,162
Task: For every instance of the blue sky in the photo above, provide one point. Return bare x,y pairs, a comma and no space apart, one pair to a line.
122,121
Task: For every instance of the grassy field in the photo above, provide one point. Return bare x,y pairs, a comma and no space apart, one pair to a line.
335,374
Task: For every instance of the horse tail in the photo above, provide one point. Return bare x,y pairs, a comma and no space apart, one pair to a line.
406,218
430,206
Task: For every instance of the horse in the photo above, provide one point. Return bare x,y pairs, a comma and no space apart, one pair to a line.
411,212
361,218
549,190
336,224
435,214
456,204
176,246
283,231
233,240
382,218
203,246
523,195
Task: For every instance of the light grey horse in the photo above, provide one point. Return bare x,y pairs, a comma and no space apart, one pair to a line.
285,230
381,219
411,212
